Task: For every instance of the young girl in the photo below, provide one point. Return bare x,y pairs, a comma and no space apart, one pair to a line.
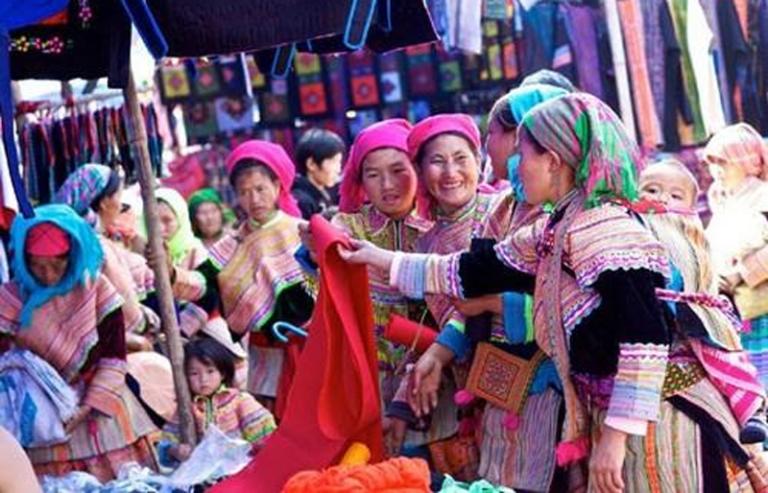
670,193
738,232
210,370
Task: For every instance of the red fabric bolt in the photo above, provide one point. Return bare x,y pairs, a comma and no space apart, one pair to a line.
47,240
391,133
334,399
406,332
275,158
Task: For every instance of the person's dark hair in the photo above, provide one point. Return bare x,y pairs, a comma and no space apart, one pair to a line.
211,352
247,165
501,113
318,144
113,185
526,134
422,149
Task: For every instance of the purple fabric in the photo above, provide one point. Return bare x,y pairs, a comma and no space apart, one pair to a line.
580,22
710,10
654,50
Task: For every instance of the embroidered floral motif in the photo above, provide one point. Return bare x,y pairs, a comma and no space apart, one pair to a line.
54,45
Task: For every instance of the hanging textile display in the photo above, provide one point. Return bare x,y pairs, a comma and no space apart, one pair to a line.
52,147
422,80
669,88
234,114
363,85
390,78
450,72
274,104
634,43
313,98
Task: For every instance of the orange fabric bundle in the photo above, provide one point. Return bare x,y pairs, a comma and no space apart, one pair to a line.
399,475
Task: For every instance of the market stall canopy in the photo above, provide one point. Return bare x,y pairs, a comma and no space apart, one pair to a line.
201,27
15,14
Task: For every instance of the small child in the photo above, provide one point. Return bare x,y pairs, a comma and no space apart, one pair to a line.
210,370
668,192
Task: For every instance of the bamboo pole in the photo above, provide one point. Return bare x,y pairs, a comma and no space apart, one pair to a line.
162,277
620,66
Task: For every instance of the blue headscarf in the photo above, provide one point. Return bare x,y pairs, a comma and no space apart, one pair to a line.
85,256
521,100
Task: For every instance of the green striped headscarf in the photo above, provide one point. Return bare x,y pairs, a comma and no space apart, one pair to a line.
591,139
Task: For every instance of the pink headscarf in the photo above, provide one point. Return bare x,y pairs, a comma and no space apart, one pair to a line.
435,125
429,128
275,158
392,134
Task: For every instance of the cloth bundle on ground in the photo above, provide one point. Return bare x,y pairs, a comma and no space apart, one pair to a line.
399,475
34,400
334,400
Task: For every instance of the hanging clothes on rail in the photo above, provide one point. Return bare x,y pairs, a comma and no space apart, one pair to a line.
53,146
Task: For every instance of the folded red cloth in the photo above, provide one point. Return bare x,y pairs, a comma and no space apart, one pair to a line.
334,399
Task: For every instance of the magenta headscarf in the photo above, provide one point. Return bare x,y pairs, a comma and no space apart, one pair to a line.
429,128
275,158
392,133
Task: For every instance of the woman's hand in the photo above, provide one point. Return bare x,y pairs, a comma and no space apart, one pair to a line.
153,259
365,252
475,306
307,240
81,415
607,461
426,377
394,435
181,452
727,284
136,343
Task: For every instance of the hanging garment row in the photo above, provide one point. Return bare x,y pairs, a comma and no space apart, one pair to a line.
52,147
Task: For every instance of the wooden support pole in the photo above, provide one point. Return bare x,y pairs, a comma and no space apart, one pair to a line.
620,66
162,277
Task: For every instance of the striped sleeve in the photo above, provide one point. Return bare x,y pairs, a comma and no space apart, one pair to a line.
256,422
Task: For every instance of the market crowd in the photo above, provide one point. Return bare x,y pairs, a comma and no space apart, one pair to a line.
585,331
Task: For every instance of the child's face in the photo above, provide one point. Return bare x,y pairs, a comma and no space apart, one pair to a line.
668,185
204,379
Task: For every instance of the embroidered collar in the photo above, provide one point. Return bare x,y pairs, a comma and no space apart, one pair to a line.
378,221
460,214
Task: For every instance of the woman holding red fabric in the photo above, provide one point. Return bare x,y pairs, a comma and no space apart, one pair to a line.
640,412
63,309
252,274
377,204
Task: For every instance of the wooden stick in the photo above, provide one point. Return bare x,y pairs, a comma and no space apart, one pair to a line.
620,66
162,278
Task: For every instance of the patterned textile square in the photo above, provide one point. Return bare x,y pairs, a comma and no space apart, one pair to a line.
501,378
